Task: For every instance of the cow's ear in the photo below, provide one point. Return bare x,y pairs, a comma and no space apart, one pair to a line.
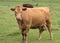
24,8
13,9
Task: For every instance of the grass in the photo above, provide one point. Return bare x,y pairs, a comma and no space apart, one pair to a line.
9,31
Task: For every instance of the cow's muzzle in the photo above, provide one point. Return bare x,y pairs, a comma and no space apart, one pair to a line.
19,18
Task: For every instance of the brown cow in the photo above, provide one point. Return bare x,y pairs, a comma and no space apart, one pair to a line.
33,18
28,5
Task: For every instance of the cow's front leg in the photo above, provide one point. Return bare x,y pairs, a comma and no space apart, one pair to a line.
24,35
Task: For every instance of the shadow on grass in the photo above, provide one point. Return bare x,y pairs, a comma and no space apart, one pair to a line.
14,34
18,33
56,29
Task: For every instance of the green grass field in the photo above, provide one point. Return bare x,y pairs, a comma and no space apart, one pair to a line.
9,31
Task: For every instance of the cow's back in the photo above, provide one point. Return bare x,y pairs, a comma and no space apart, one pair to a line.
37,16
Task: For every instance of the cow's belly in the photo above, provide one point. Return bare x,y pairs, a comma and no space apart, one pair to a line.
37,22
34,27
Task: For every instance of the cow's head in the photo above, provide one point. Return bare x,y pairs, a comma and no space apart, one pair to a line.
18,11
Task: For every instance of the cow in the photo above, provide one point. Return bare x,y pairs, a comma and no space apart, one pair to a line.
33,18
28,5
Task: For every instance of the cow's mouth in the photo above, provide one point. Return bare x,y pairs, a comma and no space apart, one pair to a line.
19,19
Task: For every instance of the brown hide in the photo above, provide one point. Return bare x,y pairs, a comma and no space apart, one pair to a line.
36,16
33,18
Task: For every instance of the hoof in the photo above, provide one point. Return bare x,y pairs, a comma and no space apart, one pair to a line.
24,41
39,38
51,38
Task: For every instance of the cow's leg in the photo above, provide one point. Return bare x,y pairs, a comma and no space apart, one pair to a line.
39,37
41,29
24,34
49,26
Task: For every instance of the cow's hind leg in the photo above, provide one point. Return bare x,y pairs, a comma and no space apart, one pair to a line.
41,29
49,26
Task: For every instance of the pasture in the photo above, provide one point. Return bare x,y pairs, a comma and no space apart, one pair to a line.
9,31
